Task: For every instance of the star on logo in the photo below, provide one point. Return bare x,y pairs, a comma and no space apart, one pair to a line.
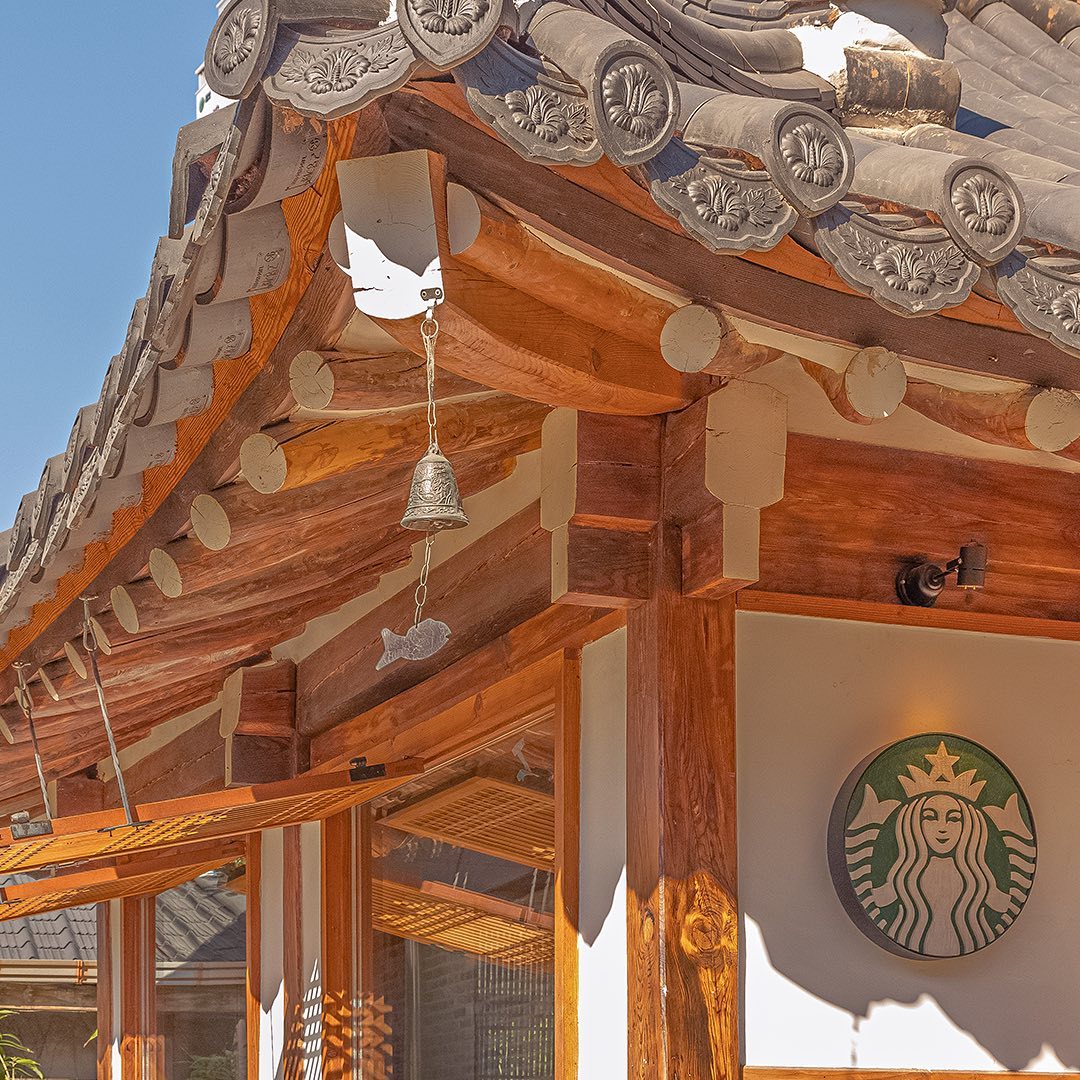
941,764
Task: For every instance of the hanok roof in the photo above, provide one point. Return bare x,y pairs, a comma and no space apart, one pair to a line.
929,166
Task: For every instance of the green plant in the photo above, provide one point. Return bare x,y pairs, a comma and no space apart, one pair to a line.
15,1060
213,1066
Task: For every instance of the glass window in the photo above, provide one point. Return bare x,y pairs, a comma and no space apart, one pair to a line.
201,945
463,863
47,984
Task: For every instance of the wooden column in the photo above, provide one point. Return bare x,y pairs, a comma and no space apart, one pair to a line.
292,915
682,904
567,824
141,1050
337,947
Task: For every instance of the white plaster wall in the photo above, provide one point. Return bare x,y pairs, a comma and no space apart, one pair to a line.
815,697
602,1013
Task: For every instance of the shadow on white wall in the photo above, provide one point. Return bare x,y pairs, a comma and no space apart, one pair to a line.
814,698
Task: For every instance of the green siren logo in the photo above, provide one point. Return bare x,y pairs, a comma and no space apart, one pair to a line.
932,847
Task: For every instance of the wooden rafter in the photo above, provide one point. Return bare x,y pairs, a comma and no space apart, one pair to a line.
601,212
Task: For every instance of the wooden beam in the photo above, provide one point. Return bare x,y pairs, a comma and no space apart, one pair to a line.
82,793
276,316
723,463
258,724
600,499
271,464
682,894
253,953
497,582
1034,418
868,390
769,1072
567,852
699,338
106,1021
854,515
141,1051
893,614
494,334
367,384
600,211
503,687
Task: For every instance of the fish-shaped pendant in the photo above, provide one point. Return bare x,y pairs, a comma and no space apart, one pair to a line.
417,643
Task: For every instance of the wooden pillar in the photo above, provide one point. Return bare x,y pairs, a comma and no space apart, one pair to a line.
682,904
338,967
141,1049
567,819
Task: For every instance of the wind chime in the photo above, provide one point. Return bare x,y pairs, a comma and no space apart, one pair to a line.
434,505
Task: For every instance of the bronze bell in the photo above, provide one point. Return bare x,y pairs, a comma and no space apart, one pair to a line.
434,499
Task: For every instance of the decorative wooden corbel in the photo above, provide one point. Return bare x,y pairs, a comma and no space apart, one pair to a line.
258,724
723,464
600,500
611,485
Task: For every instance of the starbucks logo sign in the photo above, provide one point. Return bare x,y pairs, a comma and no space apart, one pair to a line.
932,847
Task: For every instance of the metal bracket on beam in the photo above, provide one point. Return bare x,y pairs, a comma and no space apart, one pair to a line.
361,770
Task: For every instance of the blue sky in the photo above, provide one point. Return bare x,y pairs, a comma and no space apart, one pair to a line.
95,94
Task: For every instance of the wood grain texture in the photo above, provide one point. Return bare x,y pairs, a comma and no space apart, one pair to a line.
366,1054
307,217
476,423
854,515
104,997
502,687
501,580
1017,419
142,1052
603,213
491,333
758,1072
337,947
567,855
292,916
682,893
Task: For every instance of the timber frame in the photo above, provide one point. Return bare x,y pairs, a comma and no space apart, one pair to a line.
679,377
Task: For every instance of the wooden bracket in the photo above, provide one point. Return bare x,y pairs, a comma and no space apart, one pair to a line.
724,462
600,500
258,724
609,483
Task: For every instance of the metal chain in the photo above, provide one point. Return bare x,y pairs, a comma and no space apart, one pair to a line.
26,703
91,646
429,331
421,589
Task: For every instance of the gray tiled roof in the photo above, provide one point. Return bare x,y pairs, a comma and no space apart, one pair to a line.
197,921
